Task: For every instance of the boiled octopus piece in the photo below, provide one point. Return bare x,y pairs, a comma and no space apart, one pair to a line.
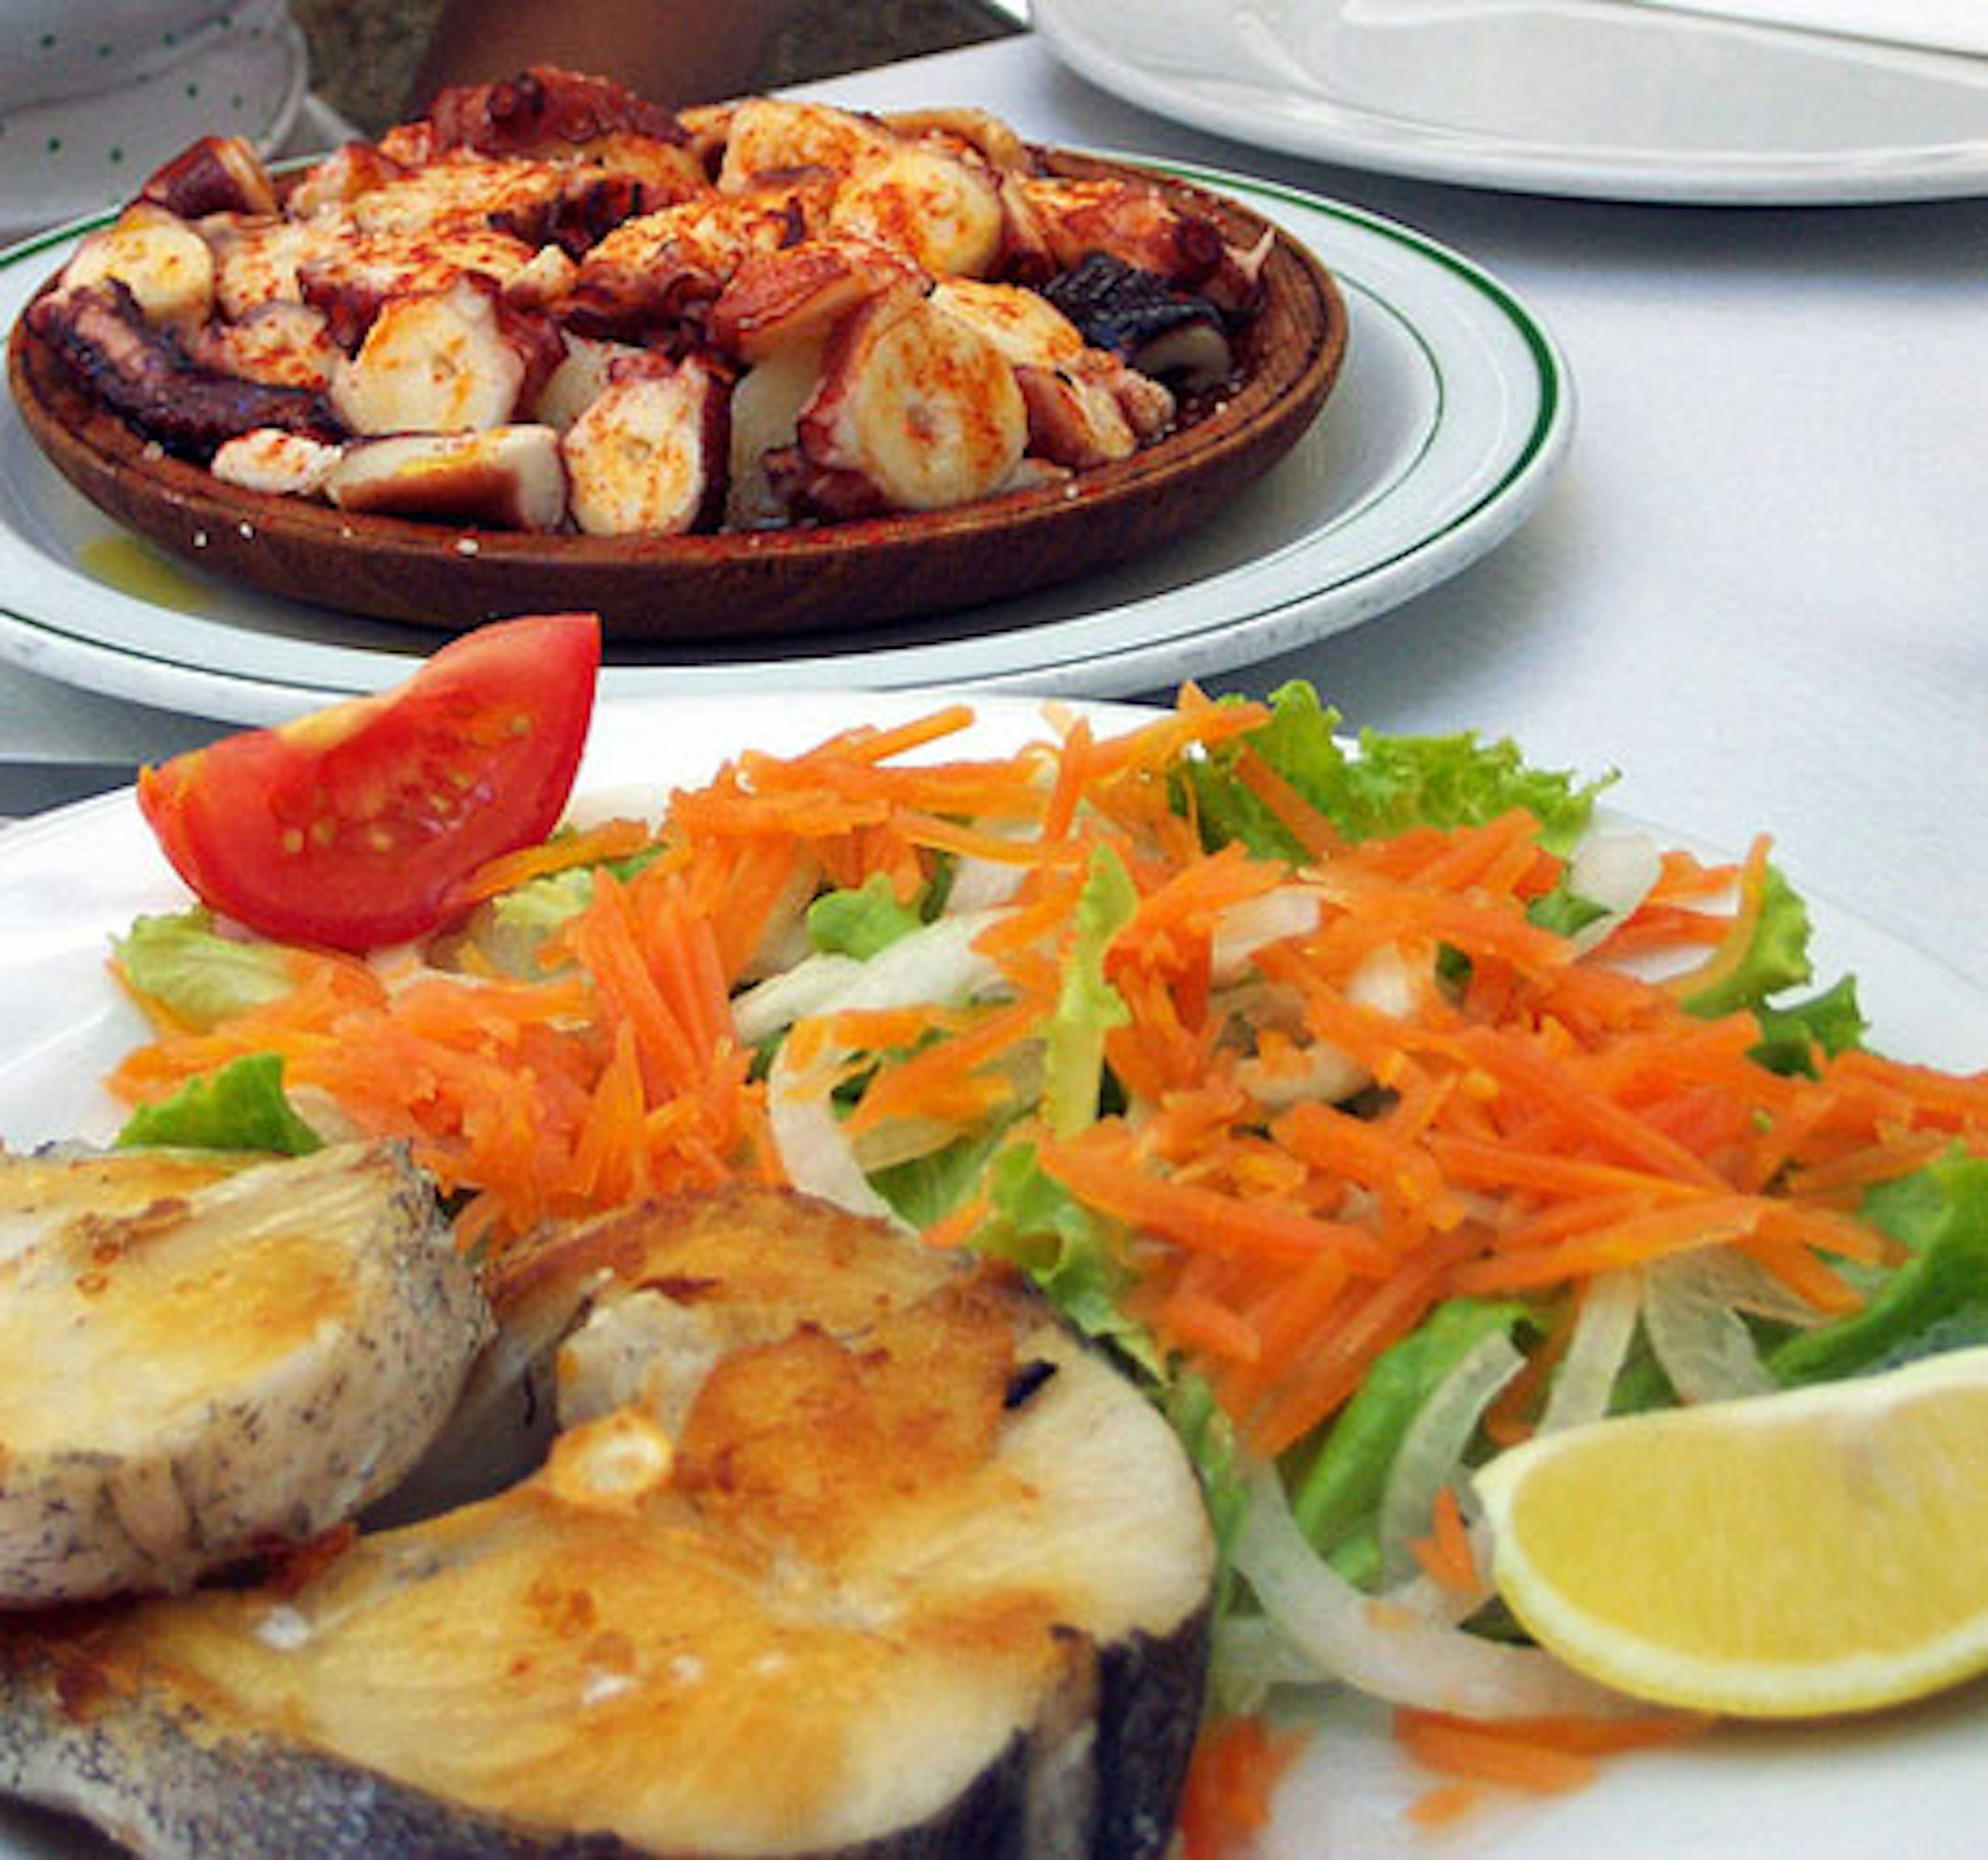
145,377
539,107
1139,317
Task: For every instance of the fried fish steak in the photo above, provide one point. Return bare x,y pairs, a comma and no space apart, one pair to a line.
209,1354
841,1546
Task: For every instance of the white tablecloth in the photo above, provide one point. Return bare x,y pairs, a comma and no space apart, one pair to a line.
1760,587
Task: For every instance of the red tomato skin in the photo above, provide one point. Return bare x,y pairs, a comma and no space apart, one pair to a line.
357,827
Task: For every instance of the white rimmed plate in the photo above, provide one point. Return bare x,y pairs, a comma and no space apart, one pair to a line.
1910,1782
1450,418
1578,97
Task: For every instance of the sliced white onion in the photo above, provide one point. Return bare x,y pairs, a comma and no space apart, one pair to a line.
982,884
1322,1072
1740,1280
936,963
1289,911
1431,1455
783,937
1386,982
1315,1070
1596,1351
1701,1341
1252,1657
1617,871
1384,1648
810,987
813,1151
1435,1601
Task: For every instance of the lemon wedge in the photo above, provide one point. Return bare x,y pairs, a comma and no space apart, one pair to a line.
1787,1555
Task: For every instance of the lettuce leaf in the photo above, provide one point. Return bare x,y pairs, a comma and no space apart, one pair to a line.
242,1106
1792,1034
1563,911
539,906
1088,1007
1394,783
924,1191
1189,1404
1071,1253
1336,1497
199,975
861,922
1937,1300
1205,1431
512,928
1776,957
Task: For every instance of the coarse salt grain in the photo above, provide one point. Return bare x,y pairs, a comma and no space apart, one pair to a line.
599,1687
284,1629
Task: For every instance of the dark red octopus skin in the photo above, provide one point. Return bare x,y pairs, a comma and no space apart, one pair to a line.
144,375
620,303
580,215
216,174
543,105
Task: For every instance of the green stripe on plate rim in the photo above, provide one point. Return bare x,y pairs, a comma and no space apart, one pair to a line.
1547,363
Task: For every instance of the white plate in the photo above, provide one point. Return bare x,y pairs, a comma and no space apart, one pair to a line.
1553,97
1912,1783
1451,414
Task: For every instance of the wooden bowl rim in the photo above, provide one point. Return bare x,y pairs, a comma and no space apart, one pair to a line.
87,442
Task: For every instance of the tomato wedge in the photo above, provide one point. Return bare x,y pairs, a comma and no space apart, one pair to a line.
356,826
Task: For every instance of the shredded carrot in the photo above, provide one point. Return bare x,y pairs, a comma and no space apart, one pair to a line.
1495,857
1207,1326
1510,1418
1548,1752
1732,950
1232,1782
956,1229
1445,1805
1485,1754
1412,1091
1326,1373
1445,1554
1408,1091
1293,812
947,1081
1538,1756
1201,1218
616,839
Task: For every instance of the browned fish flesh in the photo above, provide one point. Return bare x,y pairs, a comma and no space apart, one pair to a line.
209,1354
841,1546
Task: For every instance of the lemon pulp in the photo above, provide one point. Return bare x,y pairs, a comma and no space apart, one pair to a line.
1813,1552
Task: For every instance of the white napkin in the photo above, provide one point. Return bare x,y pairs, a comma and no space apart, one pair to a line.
1940,26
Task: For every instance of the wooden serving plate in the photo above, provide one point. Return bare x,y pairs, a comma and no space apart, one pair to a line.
740,585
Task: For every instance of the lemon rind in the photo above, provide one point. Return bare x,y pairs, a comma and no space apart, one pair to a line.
1855,1681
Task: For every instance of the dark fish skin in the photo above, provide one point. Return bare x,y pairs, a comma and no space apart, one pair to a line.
1145,1738
154,1772
895,1672
154,1776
